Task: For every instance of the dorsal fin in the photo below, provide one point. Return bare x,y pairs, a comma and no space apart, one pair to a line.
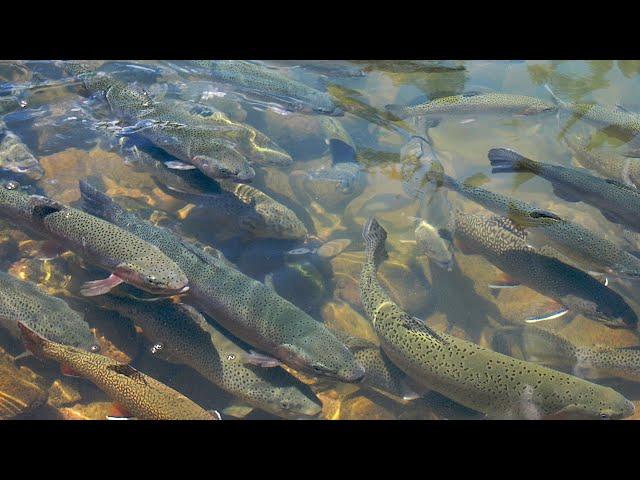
43,206
128,371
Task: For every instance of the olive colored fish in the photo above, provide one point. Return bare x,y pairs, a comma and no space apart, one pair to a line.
180,334
608,164
332,186
475,104
51,317
489,382
501,243
128,258
534,344
264,83
16,158
142,396
618,202
246,308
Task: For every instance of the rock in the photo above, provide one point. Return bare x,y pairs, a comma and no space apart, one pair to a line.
61,393
21,390
342,317
92,411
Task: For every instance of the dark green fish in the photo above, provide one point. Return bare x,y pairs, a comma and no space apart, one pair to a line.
246,308
143,397
16,158
542,346
501,243
180,334
477,378
128,258
618,202
51,317
475,104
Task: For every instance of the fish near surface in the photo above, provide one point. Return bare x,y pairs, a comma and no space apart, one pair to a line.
142,396
489,382
180,334
126,256
248,309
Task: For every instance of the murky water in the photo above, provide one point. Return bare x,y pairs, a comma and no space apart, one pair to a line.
273,168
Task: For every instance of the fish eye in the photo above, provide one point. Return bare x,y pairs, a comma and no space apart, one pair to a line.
604,416
157,347
231,356
11,185
95,348
284,404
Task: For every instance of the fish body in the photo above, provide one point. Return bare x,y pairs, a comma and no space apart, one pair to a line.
51,317
245,307
129,258
618,202
489,382
618,120
180,334
475,104
141,395
16,158
332,186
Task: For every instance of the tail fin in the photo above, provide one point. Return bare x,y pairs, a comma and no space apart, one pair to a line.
507,160
97,203
536,345
398,111
34,342
375,238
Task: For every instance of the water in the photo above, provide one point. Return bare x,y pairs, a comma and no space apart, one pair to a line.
343,169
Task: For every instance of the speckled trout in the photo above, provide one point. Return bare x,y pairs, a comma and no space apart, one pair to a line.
128,258
141,396
494,384
248,309
178,333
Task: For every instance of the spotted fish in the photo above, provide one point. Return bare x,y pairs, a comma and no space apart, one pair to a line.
489,382
141,396
248,309
126,256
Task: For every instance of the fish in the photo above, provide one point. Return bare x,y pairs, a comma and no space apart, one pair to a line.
264,83
10,103
323,67
17,158
618,202
478,378
474,103
142,396
332,186
592,362
340,143
435,243
608,164
22,301
503,244
248,309
180,334
128,258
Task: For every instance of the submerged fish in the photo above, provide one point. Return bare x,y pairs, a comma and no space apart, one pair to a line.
10,103
501,243
16,158
180,334
475,104
332,186
436,243
142,396
341,145
245,307
51,317
128,258
618,202
542,346
262,82
478,378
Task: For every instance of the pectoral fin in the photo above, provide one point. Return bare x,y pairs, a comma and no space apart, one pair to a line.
260,360
100,287
238,411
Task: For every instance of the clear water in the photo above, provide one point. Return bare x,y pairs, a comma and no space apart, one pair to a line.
68,131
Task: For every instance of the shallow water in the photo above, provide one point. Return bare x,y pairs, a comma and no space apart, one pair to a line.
74,137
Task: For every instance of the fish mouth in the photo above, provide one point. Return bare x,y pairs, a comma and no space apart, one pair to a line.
184,289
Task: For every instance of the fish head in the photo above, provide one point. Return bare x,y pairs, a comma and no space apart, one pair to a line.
284,396
613,312
321,103
330,358
226,163
278,221
435,243
606,405
22,164
168,280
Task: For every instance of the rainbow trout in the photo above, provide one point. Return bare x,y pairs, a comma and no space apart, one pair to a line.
142,396
475,104
504,245
263,83
618,202
180,334
51,317
248,309
477,378
542,346
128,258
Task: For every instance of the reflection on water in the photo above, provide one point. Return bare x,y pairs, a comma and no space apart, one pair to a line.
272,169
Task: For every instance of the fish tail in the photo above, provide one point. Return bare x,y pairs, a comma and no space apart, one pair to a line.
97,203
398,111
507,160
33,342
375,238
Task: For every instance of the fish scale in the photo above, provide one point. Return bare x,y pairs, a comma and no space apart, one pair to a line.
494,384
